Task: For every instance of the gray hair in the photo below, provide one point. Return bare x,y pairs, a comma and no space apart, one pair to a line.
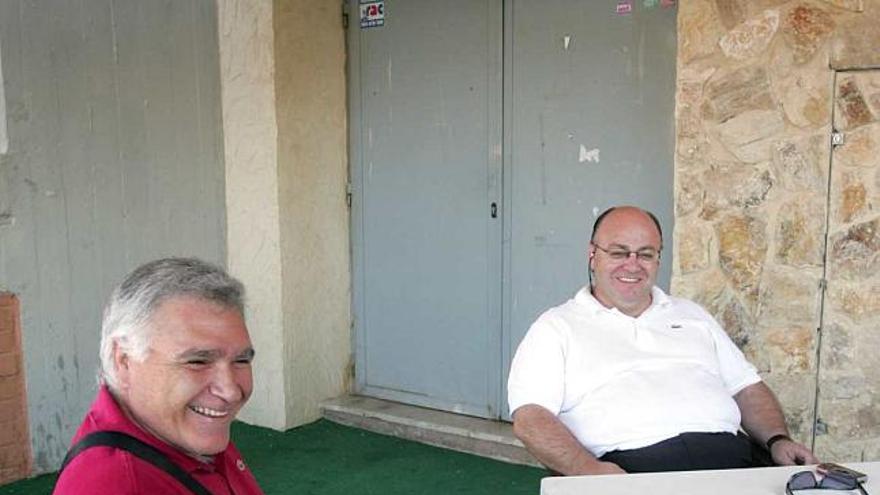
132,304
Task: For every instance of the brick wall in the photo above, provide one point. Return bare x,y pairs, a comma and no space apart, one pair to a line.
15,452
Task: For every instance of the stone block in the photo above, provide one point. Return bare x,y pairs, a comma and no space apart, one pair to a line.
850,199
804,93
869,82
853,5
692,249
859,303
792,347
734,185
789,297
845,388
806,29
709,289
800,232
861,147
854,44
750,135
730,93
754,7
689,193
857,415
731,12
800,163
750,39
734,319
855,252
699,29
852,108
689,123
742,247
796,392
837,349
867,421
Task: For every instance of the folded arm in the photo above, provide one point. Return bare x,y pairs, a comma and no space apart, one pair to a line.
762,419
546,438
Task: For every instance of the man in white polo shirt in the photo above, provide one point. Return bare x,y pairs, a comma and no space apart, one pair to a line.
624,378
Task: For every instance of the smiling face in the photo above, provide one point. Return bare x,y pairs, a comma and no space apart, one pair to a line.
195,378
624,284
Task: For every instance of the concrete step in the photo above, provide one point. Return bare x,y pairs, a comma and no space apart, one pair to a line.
493,439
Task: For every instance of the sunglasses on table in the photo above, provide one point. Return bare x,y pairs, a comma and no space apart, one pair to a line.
806,480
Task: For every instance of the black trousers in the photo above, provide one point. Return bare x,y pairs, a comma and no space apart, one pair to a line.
688,452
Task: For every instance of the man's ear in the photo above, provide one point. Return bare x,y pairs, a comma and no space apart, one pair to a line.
122,364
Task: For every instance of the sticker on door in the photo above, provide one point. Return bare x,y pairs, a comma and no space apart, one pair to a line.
372,13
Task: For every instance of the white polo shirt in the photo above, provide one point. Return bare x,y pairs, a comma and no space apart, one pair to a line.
619,382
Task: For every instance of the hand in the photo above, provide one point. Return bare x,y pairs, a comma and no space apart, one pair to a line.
788,453
602,467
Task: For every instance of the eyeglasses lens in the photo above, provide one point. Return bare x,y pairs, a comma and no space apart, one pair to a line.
645,255
802,481
837,484
805,480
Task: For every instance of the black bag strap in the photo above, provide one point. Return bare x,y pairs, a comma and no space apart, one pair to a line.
138,448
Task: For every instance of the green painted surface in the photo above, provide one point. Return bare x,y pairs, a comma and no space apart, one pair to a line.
324,458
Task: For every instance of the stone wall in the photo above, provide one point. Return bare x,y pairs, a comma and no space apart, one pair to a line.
759,82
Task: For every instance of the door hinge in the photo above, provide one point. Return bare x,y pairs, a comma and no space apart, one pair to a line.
821,427
837,138
348,194
345,15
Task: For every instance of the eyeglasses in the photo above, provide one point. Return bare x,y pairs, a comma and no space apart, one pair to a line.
646,255
806,480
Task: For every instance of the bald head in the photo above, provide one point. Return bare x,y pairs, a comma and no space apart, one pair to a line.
626,213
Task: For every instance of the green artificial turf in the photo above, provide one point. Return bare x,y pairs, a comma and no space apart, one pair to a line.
325,458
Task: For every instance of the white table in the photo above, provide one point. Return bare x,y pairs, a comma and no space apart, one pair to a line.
756,481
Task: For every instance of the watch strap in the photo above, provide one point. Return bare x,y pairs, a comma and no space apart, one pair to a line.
776,438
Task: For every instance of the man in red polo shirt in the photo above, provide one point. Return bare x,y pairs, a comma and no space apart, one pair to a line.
175,370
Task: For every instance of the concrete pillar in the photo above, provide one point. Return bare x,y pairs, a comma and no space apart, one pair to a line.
283,92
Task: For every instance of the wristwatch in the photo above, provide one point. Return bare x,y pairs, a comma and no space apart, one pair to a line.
776,438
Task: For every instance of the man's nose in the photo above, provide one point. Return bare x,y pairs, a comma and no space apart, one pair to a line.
632,259
225,384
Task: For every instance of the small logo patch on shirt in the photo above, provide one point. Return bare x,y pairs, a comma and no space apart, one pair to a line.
675,326
240,465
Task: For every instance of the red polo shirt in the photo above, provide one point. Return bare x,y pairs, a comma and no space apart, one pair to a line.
110,470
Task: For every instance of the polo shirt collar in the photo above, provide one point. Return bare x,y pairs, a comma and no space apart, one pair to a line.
586,300
115,418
